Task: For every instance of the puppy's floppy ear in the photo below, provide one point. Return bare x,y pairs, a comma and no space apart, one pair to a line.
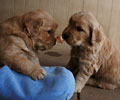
30,24
95,35
26,27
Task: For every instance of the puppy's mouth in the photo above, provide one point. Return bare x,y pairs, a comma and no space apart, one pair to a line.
71,40
41,48
74,42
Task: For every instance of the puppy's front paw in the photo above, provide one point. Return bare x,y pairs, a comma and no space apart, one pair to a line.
107,86
78,89
37,73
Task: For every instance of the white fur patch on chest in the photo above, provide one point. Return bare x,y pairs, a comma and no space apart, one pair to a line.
79,43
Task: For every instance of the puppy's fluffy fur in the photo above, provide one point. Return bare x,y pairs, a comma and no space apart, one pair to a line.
21,37
94,59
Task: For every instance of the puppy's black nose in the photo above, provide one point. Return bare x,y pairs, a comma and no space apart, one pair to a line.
65,36
55,42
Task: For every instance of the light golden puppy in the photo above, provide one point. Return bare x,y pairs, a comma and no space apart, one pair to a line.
94,59
21,37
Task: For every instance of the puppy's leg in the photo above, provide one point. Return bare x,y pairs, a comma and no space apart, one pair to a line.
82,78
32,56
100,84
25,66
106,86
19,61
86,70
80,81
35,60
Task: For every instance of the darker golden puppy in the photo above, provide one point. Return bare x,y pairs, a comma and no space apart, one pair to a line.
94,60
21,37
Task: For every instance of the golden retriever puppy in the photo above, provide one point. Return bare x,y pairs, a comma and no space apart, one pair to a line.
94,59
21,37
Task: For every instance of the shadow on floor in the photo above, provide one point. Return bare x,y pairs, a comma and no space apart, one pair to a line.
54,54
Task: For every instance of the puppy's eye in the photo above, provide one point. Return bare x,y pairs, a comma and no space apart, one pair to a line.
34,26
79,29
50,31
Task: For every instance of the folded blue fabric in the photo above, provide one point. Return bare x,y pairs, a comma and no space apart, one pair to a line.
59,84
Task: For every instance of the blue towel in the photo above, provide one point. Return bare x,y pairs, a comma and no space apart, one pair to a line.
59,84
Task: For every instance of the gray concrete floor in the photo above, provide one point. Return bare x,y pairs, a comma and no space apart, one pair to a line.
59,56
